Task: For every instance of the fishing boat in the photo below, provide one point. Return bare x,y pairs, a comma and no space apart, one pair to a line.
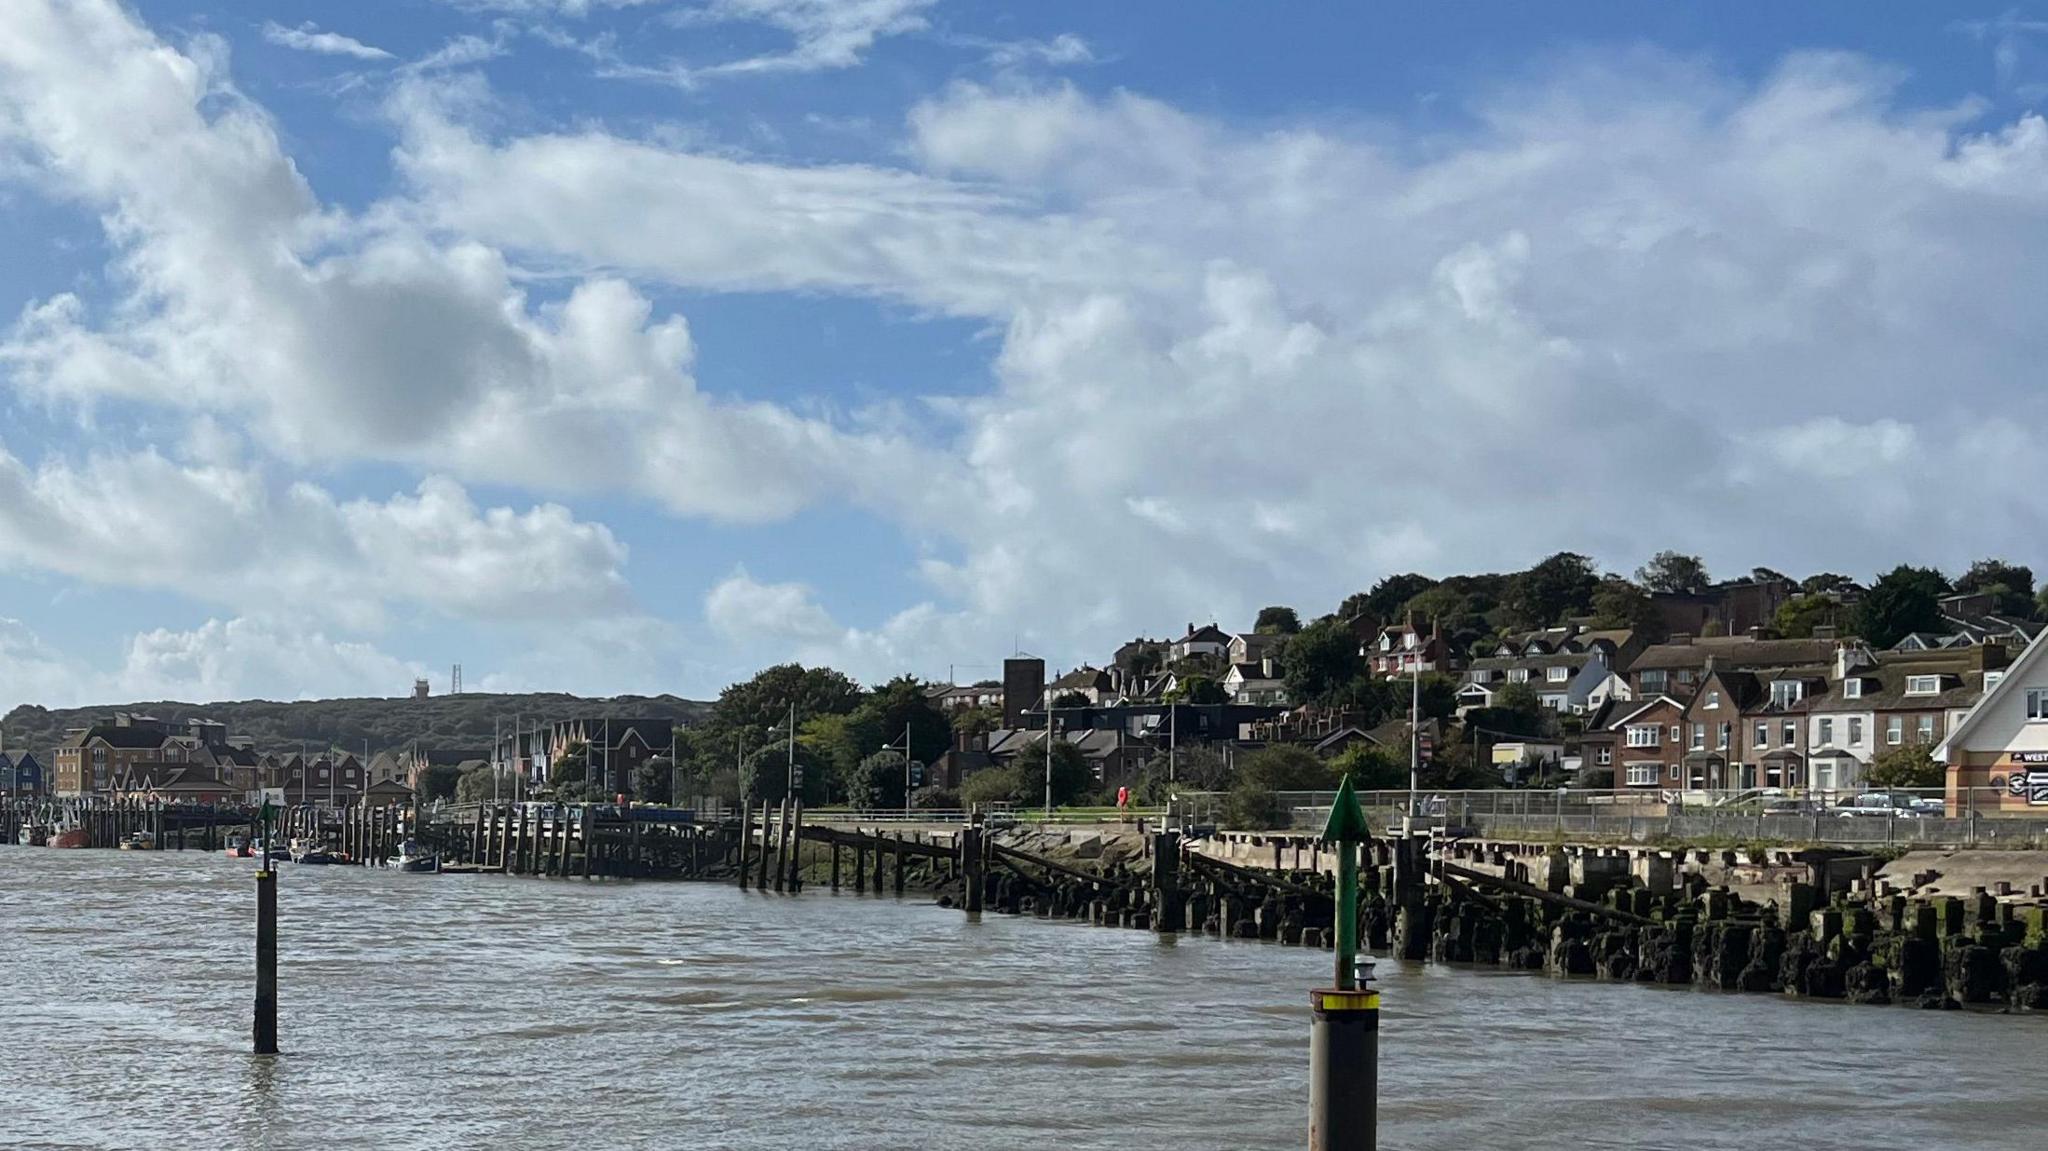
413,857
238,847
70,834
312,851
139,841
34,835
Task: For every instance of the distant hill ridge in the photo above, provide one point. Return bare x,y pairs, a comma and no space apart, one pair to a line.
448,720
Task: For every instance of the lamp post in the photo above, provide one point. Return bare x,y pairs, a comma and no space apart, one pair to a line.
890,746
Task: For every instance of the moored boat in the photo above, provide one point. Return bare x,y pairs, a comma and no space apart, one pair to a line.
238,847
139,841
416,858
70,835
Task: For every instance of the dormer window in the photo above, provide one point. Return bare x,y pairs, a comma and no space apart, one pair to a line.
1786,692
1713,700
1852,689
1991,679
1409,640
1557,674
1923,685
1518,675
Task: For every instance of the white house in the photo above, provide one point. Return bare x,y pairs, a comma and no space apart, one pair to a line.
1997,755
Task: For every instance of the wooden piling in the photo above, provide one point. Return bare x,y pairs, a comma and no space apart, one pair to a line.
899,863
761,864
796,846
587,843
835,865
746,842
970,865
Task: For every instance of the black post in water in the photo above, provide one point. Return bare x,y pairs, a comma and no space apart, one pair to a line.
970,865
1344,1070
266,958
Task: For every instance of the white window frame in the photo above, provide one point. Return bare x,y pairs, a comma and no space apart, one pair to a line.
1827,733
1923,685
1852,688
1676,734
1603,757
1642,774
1763,734
1925,729
1699,737
1645,735
1791,733
1518,675
1557,674
1786,692
1855,731
1676,772
1713,701
1894,730
2037,704
1723,735
1992,679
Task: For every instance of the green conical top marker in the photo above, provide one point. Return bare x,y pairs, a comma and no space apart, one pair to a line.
1347,818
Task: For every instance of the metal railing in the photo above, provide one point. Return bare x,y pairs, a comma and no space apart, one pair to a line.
1893,817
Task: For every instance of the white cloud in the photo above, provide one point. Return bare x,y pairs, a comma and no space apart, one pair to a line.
232,535
1062,50
827,33
240,658
1627,308
308,38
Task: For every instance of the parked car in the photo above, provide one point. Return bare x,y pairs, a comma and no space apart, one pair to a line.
1879,803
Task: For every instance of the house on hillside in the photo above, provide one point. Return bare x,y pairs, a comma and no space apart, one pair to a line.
1570,669
616,747
1640,742
21,776
89,757
1207,641
1677,666
1258,683
1403,649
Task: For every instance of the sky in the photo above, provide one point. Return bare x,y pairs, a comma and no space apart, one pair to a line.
633,345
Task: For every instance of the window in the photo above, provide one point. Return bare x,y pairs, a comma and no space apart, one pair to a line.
1699,736
1763,736
1827,732
323,771
1791,733
1923,685
1852,689
1823,774
1642,774
1855,731
1674,733
1786,692
2037,703
1725,733
1895,730
1557,674
1518,675
1642,735
1926,731
1652,681
1674,771
1713,700
1991,679
1604,756
1685,675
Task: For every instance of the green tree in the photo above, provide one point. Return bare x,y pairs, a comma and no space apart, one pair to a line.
1769,575
1371,768
1902,601
1670,571
1073,778
653,780
2011,586
1198,689
843,742
1285,767
568,772
1619,604
1320,661
1454,612
990,785
1277,620
1825,582
877,782
976,720
1908,765
1383,603
767,775
477,785
1560,586
1070,699
438,782
1798,616
1145,661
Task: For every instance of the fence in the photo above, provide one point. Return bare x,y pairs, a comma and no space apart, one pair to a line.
1895,818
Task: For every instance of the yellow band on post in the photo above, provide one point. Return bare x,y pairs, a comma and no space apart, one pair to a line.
1346,1000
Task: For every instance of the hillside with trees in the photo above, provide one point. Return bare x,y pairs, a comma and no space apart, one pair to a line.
386,724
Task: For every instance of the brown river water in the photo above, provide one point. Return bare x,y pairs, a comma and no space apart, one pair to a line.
466,1012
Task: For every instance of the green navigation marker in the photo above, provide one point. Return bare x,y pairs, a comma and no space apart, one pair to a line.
1347,830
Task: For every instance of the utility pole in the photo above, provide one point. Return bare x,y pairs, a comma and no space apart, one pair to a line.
791,773
1048,760
907,805
497,757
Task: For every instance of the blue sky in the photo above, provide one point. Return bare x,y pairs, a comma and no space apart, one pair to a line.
628,345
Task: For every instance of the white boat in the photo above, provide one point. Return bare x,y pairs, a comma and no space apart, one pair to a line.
414,857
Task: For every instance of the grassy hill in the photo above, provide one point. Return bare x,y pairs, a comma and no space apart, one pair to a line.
447,721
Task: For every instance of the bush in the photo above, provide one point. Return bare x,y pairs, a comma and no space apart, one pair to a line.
1910,765
477,785
987,786
938,799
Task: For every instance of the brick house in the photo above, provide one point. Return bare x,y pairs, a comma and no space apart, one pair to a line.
89,758
1402,649
1678,666
1639,741
1902,699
